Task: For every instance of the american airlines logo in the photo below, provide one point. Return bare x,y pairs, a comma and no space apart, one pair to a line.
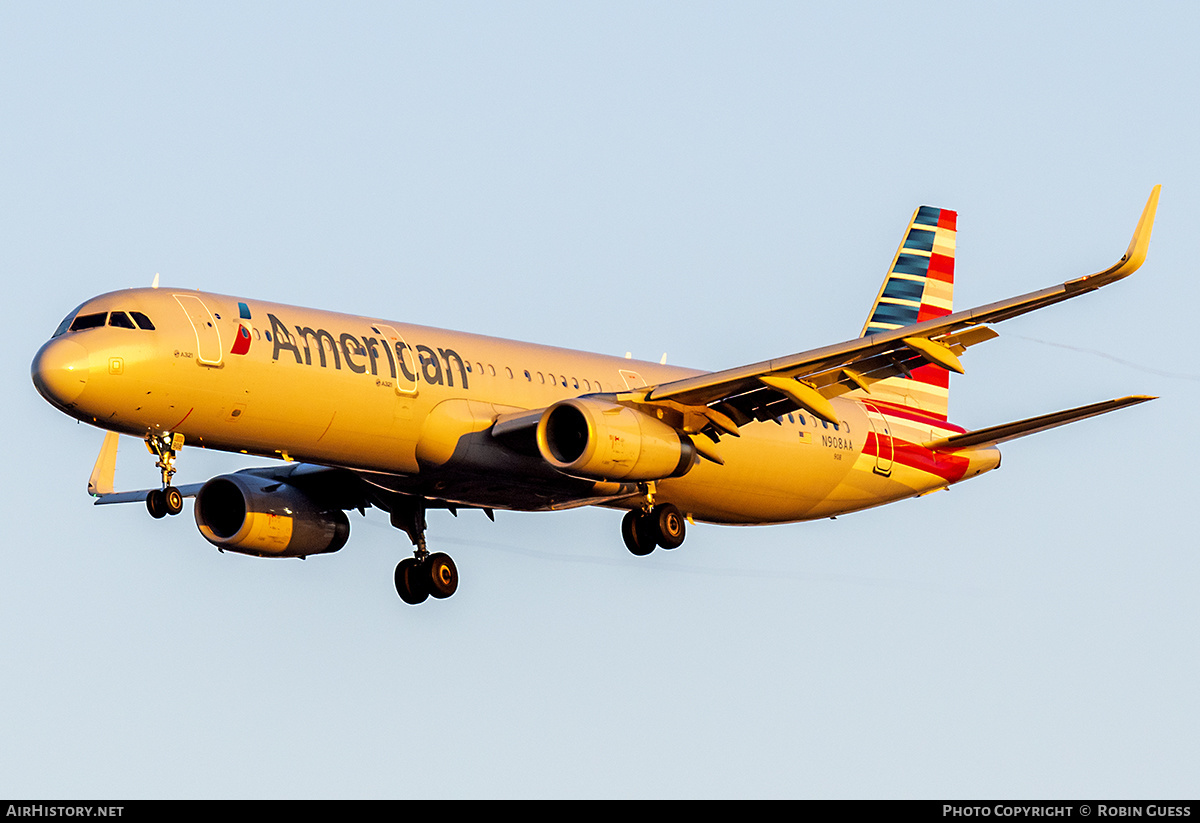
363,354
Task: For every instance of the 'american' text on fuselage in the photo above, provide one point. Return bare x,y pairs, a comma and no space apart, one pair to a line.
347,347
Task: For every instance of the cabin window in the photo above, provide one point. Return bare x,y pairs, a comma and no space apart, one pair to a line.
528,376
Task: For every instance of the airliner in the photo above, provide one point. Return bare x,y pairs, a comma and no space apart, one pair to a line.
366,412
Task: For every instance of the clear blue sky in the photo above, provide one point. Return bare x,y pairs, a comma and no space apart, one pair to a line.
722,182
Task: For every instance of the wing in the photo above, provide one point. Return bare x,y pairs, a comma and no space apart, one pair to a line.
720,402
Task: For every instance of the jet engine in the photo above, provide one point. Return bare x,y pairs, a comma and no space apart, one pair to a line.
592,438
256,515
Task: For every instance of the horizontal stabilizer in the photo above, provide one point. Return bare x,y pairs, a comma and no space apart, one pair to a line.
1011,431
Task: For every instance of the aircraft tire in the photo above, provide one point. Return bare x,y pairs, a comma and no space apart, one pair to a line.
410,582
638,533
172,500
156,504
669,526
442,575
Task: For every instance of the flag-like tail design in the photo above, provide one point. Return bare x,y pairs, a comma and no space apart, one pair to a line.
919,286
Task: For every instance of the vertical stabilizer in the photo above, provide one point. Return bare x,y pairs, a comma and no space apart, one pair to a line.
919,286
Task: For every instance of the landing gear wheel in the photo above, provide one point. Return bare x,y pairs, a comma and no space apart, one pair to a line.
156,503
410,582
442,575
173,500
669,525
638,532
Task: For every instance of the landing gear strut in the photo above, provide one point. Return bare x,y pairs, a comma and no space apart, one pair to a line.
662,525
423,574
168,499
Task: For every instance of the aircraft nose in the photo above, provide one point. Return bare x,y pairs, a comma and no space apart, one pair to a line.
60,371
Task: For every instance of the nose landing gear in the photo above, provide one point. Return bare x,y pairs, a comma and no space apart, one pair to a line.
168,499
161,502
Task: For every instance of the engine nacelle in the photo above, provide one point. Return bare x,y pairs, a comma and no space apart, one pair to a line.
599,440
256,515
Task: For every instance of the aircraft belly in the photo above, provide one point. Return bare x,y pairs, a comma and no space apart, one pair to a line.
803,470
771,474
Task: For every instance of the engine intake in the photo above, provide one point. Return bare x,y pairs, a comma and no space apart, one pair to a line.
256,515
599,440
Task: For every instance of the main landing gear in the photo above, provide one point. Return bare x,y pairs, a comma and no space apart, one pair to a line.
168,499
661,525
424,574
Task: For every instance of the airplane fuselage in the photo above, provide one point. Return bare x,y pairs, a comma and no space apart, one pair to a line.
413,405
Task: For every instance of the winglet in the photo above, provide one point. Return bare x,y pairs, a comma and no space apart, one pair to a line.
101,481
1135,255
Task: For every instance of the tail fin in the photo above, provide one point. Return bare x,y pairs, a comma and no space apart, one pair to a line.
919,286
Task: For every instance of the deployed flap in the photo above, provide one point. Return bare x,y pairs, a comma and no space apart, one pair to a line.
1010,431
834,370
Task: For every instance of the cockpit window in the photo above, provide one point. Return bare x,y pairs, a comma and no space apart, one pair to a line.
66,322
89,321
117,319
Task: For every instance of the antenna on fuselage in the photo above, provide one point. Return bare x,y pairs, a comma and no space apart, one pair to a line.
154,285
